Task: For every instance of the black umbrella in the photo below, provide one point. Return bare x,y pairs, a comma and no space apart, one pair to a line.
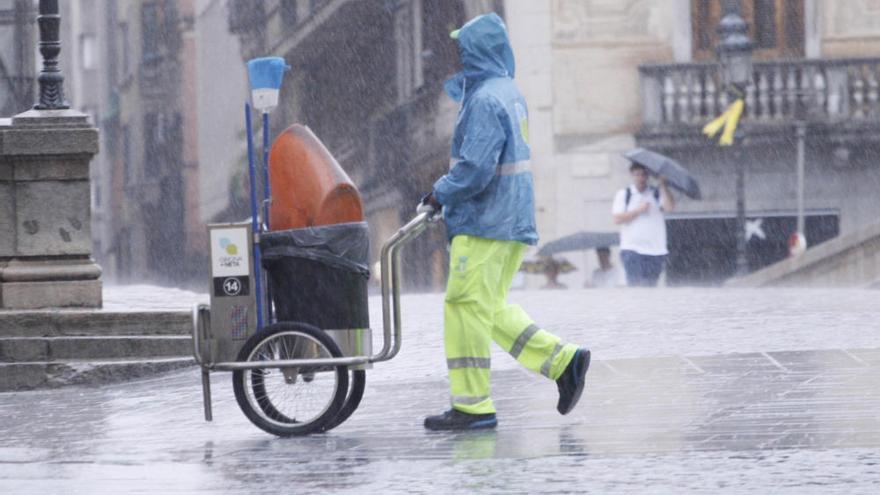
677,176
580,241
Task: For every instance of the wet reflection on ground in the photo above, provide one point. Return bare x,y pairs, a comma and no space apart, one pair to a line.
772,415
659,417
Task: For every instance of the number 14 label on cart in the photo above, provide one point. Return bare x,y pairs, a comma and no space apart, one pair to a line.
231,286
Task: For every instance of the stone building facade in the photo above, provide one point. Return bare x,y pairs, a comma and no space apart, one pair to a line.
602,77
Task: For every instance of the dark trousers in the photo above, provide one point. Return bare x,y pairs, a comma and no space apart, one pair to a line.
642,270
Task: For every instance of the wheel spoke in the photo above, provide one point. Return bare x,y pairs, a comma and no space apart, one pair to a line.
283,403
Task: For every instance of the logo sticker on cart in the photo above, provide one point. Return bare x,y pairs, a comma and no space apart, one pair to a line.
229,252
231,286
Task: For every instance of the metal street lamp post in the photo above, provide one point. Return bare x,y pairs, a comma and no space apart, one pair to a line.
801,134
51,79
735,55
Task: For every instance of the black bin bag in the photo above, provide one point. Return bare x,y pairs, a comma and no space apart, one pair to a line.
318,275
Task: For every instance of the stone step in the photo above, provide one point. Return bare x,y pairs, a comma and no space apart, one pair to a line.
30,375
49,348
47,323
38,349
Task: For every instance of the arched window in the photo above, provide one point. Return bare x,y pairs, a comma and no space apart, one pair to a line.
776,27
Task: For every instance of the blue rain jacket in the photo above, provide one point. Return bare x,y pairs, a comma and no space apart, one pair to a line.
488,191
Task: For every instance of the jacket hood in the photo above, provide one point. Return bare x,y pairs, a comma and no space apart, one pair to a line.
485,52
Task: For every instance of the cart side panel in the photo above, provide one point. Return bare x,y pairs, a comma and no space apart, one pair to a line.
233,294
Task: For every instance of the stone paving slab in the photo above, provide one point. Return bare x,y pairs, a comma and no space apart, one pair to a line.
737,424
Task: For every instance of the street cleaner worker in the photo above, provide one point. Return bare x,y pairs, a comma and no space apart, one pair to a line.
487,200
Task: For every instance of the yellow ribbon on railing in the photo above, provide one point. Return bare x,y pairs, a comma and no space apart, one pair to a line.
728,120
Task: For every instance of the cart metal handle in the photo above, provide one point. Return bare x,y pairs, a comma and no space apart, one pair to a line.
390,274
199,311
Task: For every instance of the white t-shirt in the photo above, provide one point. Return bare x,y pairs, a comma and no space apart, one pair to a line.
646,233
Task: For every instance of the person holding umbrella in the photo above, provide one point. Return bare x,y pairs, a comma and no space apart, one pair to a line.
639,210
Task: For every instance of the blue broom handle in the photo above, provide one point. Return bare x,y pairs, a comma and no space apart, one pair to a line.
267,197
267,189
255,224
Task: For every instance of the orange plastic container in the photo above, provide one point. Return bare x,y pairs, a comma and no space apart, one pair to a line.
309,187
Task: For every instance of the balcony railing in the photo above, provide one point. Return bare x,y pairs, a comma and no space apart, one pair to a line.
829,90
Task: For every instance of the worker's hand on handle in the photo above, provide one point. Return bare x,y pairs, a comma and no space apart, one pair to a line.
431,206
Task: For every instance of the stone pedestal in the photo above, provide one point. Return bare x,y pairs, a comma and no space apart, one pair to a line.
45,211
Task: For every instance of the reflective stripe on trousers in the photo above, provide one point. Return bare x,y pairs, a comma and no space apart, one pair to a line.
463,400
468,363
523,339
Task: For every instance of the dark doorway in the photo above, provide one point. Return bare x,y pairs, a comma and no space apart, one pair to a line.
702,251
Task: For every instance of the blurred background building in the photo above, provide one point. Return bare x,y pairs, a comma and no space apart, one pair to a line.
17,42
165,82
150,128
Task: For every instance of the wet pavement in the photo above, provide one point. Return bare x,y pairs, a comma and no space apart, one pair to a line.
767,391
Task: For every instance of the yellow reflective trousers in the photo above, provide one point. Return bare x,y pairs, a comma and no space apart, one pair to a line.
476,313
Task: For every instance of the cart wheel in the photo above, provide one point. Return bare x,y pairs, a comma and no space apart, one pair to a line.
296,400
358,382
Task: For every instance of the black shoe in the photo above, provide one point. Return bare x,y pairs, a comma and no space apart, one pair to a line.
571,383
457,420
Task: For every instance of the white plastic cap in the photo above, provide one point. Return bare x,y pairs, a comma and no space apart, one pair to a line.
265,99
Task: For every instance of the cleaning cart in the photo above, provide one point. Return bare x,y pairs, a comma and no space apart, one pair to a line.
288,312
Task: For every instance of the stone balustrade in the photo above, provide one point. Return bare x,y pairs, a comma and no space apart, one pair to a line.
828,90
